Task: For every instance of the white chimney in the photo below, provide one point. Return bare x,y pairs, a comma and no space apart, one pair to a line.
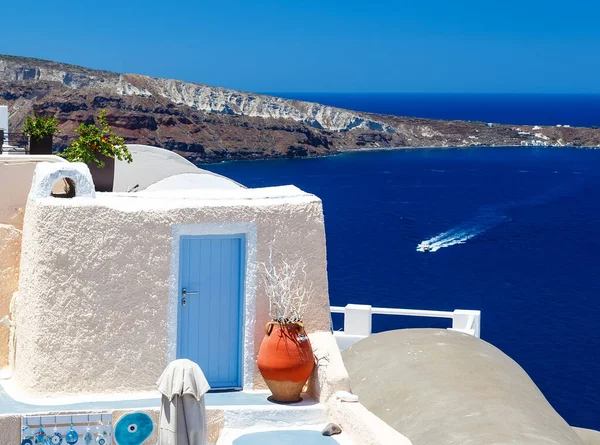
4,121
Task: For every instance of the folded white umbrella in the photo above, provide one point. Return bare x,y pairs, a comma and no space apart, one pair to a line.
182,411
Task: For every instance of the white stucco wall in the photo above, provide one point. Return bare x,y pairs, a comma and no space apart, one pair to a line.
95,303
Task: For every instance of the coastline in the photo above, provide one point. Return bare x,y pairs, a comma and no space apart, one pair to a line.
209,124
437,147
344,151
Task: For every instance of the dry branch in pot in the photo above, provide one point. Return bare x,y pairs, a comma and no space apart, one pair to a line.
288,288
285,358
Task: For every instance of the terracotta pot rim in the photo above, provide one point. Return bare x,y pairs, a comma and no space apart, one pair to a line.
283,325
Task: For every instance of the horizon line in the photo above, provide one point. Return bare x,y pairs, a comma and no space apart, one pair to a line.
435,92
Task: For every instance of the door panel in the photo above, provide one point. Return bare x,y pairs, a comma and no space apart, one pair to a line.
209,324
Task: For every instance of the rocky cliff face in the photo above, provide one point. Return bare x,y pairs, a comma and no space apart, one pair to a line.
195,96
211,124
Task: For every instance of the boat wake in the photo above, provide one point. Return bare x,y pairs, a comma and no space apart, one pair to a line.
489,217
486,218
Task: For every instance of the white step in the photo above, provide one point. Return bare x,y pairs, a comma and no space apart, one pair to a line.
307,412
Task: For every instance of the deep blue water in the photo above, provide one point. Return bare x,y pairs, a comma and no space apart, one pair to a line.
535,109
529,219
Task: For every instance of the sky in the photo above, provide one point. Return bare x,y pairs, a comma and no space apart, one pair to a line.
510,46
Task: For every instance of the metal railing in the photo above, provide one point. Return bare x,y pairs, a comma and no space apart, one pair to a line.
16,139
358,319
14,142
17,143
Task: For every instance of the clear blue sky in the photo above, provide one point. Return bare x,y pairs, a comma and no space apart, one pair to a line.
320,45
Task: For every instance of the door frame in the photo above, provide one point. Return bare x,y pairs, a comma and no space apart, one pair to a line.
239,298
247,231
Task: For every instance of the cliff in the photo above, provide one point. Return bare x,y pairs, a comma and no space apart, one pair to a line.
211,124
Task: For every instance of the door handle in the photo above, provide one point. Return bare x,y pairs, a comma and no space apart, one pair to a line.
185,293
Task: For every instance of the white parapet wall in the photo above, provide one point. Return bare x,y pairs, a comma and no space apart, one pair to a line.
362,426
16,174
330,375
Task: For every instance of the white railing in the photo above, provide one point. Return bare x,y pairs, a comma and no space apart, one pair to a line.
358,320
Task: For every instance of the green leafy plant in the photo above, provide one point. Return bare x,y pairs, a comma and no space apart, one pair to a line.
40,126
94,141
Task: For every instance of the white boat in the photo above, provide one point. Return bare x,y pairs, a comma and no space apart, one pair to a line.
425,247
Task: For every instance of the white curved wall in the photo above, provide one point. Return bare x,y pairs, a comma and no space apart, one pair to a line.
152,164
191,181
438,386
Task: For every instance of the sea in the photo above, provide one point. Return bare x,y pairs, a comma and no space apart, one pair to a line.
514,233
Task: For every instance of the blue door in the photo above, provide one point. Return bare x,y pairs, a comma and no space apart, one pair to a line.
211,277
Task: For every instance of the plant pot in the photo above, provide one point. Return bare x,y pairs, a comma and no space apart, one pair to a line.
41,146
104,177
285,360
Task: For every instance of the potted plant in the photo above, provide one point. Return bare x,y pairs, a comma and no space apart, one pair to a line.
285,358
98,146
40,130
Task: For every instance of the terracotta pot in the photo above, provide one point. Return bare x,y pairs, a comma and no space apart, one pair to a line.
103,177
285,360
